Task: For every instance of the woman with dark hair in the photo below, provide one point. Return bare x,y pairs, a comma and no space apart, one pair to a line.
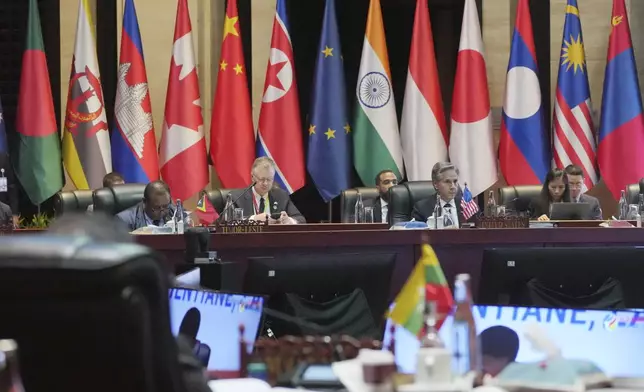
555,190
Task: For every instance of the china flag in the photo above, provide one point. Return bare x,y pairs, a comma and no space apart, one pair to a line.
232,139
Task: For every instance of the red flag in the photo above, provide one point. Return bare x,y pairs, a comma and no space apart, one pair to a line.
205,210
183,147
232,138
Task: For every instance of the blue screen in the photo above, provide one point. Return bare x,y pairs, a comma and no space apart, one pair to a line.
613,340
215,317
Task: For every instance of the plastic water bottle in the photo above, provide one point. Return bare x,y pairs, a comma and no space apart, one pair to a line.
10,379
623,206
179,223
359,210
228,208
467,354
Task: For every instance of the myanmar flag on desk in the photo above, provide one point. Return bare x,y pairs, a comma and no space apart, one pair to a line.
426,282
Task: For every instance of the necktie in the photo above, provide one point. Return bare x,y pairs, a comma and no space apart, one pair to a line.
156,222
261,205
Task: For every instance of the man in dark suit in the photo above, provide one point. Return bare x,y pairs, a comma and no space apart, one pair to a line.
576,184
265,200
155,209
9,195
384,180
445,181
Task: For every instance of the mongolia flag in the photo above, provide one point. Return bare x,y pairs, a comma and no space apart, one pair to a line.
423,127
523,148
134,146
621,132
574,135
471,147
329,156
86,140
232,137
183,156
279,135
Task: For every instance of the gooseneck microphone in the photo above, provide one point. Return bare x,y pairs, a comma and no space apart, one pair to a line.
245,191
436,210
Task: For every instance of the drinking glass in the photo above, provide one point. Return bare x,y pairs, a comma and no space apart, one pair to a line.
238,214
368,215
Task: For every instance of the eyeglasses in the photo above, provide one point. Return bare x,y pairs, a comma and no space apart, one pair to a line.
160,208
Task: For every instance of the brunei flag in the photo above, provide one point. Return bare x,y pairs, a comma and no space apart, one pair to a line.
426,282
205,210
86,139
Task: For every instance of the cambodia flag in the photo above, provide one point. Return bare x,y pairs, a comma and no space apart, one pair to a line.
134,146
279,135
621,132
523,148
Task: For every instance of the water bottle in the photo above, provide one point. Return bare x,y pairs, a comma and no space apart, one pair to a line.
467,349
179,222
491,205
623,206
10,380
640,203
359,210
228,208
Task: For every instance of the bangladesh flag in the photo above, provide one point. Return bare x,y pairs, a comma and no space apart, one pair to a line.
426,282
38,160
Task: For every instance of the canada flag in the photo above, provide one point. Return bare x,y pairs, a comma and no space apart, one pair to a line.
182,155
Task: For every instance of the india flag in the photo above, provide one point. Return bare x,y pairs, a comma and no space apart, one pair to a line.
376,141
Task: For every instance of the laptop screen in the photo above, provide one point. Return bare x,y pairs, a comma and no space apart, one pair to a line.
210,321
611,339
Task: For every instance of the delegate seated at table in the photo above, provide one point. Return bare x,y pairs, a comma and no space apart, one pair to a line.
576,183
555,190
264,199
155,209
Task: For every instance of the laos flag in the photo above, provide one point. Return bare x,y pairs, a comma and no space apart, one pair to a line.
621,132
134,146
523,148
279,134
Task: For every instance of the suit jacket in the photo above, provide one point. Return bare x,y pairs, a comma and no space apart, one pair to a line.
134,217
10,197
595,207
279,200
425,208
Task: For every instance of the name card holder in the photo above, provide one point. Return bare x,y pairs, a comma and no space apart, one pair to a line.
503,222
241,226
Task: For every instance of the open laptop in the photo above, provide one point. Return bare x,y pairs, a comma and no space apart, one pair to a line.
211,320
613,340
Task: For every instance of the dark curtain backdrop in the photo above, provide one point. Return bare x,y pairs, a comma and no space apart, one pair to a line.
13,29
305,19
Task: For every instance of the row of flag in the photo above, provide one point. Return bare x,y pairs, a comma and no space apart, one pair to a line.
370,141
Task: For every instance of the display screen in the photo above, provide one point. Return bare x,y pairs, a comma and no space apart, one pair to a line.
319,373
610,339
211,320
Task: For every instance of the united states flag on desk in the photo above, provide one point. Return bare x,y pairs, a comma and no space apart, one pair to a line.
574,138
468,205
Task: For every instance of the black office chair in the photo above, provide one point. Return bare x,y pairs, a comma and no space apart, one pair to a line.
633,192
518,197
87,316
402,198
72,201
113,200
348,200
218,197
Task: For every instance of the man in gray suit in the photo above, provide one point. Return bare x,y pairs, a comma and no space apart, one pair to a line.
576,183
265,200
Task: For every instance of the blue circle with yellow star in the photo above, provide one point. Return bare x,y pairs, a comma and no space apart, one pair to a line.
374,91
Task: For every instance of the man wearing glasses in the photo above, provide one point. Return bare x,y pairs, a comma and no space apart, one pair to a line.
155,209
576,184
384,180
265,201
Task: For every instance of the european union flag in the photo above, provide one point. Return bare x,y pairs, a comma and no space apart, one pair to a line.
329,159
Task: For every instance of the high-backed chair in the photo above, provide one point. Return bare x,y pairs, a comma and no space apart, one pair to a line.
632,193
402,198
72,201
113,200
348,200
218,197
87,316
518,197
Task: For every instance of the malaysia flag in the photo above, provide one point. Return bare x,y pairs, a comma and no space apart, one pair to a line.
184,164
523,148
134,146
279,135
574,136
621,132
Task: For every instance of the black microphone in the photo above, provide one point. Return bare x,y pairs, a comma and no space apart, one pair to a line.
436,209
245,191
197,242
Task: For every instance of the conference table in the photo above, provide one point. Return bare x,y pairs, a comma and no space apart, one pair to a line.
459,251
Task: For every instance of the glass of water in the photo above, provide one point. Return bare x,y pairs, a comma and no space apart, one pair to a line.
368,215
238,214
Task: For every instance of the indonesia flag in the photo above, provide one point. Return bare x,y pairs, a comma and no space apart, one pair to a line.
574,135
279,135
471,146
621,133
184,165
423,127
134,146
524,147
